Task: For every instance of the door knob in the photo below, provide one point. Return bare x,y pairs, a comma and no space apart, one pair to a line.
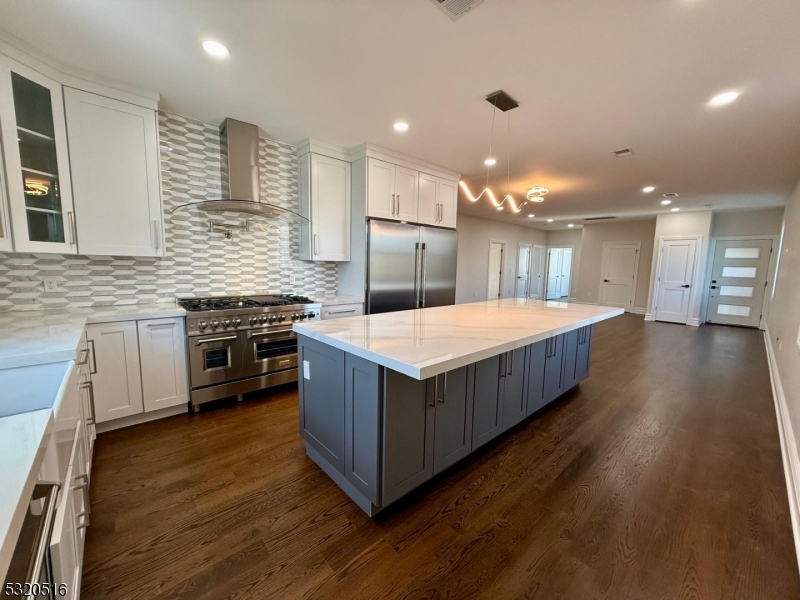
685,285
606,280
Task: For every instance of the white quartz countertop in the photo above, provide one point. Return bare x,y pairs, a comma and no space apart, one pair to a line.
426,342
23,440
47,336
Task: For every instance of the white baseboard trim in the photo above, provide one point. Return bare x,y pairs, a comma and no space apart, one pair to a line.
694,322
582,302
639,310
791,458
142,418
648,316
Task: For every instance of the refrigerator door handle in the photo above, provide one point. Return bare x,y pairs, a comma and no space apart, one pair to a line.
416,275
422,281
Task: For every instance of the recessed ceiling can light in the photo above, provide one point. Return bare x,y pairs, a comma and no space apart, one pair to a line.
401,126
216,49
676,209
648,189
571,225
490,162
723,98
499,208
666,202
549,220
530,216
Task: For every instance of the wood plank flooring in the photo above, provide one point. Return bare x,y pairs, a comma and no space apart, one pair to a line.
660,477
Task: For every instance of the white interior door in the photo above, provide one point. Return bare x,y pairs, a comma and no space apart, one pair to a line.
738,282
495,271
675,280
523,270
553,290
620,264
566,271
537,272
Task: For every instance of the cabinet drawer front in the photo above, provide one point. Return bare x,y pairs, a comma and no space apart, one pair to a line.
342,310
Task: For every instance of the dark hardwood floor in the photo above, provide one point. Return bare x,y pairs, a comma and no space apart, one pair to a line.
660,477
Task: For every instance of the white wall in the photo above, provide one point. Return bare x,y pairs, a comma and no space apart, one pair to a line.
766,221
675,225
472,275
783,328
568,237
594,236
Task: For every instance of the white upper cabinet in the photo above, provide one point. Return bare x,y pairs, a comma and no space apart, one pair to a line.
6,244
406,191
34,137
381,199
448,202
428,211
325,201
113,148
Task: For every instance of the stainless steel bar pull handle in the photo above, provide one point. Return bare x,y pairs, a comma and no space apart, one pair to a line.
93,361
212,340
341,312
82,518
316,247
156,236
510,363
424,268
503,364
87,385
417,270
398,205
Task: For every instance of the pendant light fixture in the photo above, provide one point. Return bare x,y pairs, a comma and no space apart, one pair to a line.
505,103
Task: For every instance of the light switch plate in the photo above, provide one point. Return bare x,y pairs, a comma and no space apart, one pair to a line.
798,337
306,370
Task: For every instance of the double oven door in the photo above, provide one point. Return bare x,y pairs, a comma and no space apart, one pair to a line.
230,355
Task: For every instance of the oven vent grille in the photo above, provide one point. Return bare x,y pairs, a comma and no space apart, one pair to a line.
455,9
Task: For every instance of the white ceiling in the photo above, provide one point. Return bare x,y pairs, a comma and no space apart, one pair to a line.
591,77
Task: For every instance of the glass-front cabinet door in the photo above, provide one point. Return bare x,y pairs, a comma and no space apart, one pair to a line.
36,161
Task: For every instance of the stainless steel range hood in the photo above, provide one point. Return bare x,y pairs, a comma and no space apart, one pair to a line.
239,173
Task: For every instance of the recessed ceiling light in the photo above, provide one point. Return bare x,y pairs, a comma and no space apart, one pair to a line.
666,202
549,220
490,162
648,189
723,98
216,49
499,208
571,225
530,216
676,209
401,126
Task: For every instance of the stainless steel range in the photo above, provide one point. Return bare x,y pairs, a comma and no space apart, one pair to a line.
240,344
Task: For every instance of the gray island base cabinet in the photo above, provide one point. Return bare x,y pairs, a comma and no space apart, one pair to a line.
379,434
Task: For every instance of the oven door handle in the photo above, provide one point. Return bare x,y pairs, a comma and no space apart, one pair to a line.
227,338
289,334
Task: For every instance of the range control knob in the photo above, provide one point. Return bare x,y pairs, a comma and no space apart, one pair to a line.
202,325
294,317
272,318
281,318
262,319
226,322
253,320
311,315
214,323
236,321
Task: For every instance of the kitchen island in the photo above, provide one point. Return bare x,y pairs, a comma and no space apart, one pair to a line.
387,401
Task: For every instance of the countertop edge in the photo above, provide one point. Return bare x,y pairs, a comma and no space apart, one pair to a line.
453,363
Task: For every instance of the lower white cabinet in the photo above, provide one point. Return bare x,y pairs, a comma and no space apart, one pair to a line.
162,355
116,374
137,367
342,310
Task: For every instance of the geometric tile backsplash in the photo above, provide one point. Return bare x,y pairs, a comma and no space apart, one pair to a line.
197,261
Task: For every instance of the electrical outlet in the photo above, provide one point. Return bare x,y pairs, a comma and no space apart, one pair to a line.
51,284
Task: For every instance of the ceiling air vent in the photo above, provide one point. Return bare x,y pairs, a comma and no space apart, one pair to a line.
455,9
671,195
598,218
623,153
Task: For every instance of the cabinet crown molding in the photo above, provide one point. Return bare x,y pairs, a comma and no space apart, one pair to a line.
311,146
396,158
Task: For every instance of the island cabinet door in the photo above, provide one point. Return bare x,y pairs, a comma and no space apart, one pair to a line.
454,393
362,405
553,368
409,413
534,390
487,414
584,353
513,388
571,340
321,391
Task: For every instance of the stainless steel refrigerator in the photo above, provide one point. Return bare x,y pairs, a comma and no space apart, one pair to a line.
409,266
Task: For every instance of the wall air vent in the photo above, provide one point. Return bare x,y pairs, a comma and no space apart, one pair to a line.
455,9
598,218
623,152
671,195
